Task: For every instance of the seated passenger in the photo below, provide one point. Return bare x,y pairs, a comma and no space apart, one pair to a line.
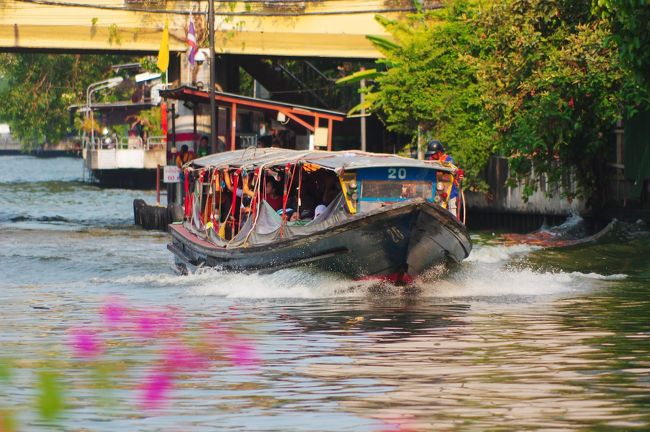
273,196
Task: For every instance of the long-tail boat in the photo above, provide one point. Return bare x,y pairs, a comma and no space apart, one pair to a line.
365,215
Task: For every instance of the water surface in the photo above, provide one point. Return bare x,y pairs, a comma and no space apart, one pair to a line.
517,337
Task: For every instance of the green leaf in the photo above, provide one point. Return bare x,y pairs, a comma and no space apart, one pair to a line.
367,105
383,44
368,74
5,370
50,395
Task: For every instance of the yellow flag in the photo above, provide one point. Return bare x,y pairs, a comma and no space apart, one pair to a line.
163,54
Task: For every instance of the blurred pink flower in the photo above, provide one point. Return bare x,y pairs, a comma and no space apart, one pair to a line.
114,311
157,323
154,389
86,343
241,353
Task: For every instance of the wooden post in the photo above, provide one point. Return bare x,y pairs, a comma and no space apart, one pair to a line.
157,184
330,127
421,142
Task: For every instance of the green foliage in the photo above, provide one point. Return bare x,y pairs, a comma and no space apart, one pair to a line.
152,119
554,87
40,87
429,83
538,81
630,23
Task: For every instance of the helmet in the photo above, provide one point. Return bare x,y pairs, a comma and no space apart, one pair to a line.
434,146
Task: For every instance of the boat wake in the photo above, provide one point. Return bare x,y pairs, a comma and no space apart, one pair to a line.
497,270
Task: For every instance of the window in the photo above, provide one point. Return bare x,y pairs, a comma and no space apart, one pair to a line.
377,190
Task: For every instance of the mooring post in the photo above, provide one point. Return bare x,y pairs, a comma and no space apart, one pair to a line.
157,184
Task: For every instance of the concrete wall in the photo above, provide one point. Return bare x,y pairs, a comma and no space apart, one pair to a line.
547,201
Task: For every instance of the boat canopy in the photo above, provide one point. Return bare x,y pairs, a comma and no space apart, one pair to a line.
337,161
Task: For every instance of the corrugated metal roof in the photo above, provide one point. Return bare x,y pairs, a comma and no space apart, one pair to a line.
336,161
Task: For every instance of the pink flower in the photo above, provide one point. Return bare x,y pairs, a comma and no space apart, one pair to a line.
155,389
242,353
114,311
86,343
157,323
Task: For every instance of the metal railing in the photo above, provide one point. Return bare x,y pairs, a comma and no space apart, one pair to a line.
156,142
124,143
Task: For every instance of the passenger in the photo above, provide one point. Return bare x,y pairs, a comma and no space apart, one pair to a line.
139,128
204,148
184,156
436,152
242,197
273,195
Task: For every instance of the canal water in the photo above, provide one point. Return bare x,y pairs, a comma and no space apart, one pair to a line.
517,337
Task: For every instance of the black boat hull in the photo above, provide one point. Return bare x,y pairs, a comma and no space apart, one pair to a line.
397,243
126,178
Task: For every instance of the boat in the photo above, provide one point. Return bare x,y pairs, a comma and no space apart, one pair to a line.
124,142
386,216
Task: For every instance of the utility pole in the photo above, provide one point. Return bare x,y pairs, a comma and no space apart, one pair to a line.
212,60
363,114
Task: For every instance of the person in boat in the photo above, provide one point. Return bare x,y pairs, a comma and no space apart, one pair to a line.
184,156
436,152
273,195
204,147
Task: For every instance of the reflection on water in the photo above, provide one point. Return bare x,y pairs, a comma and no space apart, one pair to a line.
517,337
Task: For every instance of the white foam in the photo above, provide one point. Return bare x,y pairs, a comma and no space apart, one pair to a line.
484,282
596,276
496,254
488,272
294,283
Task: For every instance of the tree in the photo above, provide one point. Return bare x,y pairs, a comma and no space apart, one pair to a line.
428,82
40,87
554,85
630,23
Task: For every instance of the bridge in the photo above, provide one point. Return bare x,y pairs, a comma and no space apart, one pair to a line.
296,28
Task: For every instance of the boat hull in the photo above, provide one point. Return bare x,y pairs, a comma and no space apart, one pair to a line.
126,178
397,243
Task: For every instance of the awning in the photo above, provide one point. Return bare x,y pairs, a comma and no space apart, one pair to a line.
192,94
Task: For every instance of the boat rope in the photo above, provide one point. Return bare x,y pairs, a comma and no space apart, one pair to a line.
234,203
299,203
288,183
186,188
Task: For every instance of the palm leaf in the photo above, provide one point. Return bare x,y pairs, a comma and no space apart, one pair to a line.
359,75
367,105
382,44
